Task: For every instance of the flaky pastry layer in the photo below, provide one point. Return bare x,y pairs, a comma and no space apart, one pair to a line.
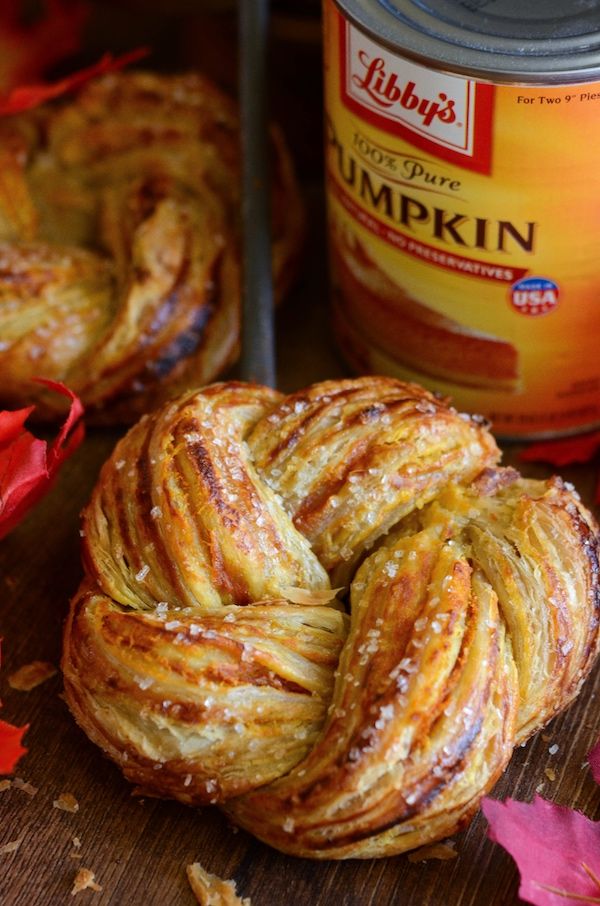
119,247
208,651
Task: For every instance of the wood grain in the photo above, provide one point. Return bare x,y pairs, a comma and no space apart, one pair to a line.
138,849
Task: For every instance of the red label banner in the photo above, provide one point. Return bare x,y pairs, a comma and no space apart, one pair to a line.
485,270
404,98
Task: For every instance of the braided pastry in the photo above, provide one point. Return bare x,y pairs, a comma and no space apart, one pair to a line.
209,656
119,270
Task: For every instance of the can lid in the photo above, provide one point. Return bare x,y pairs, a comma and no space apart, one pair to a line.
510,40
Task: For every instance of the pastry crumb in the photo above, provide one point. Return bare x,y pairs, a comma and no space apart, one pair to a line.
24,786
309,598
66,802
5,785
84,880
550,773
31,675
74,854
211,890
10,847
443,851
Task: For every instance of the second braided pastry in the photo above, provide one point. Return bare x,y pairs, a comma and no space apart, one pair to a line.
119,257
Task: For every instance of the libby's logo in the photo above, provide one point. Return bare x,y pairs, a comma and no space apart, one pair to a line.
447,115
383,87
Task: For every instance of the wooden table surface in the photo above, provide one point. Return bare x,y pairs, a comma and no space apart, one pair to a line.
138,849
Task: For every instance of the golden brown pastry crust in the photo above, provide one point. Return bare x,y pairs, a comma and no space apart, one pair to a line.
210,890
474,611
471,628
119,263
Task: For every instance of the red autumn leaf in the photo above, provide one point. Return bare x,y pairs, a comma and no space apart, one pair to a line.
565,451
557,850
27,96
27,467
28,48
11,747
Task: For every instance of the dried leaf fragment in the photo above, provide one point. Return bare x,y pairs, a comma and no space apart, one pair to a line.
211,890
84,880
66,802
10,847
443,851
31,675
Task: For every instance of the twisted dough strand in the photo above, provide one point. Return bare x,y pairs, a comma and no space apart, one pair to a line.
467,635
474,611
119,246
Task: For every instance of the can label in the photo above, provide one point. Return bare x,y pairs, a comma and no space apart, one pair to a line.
465,233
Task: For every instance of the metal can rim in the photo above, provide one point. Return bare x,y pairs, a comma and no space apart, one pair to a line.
498,59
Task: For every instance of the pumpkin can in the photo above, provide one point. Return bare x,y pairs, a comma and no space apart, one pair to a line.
464,202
